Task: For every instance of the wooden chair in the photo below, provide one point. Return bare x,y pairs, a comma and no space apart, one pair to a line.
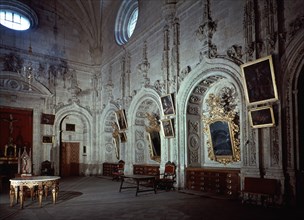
46,168
167,179
118,170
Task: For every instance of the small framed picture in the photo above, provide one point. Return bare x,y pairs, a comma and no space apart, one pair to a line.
121,119
47,119
167,105
123,137
70,127
259,81
47,139
167,127
262,117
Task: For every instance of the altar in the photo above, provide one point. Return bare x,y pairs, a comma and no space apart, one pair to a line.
44,184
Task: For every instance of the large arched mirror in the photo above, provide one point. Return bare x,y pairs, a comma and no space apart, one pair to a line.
153,136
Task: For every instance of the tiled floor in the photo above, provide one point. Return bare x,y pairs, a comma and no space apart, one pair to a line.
99,198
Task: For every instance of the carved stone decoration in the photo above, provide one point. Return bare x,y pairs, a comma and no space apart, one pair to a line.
222,132
193,142
74,89
296,26
159,87
169,11
193,127
139,151
193,110
199,90
205,33
194,99
12,63
249,29
235,52
184,72
193,157
144,66
275,148
270,15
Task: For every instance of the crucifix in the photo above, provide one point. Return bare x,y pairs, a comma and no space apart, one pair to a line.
11,120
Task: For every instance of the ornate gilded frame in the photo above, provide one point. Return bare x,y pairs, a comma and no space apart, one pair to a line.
221,130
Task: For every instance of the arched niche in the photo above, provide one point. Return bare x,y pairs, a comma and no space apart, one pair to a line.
217,76
73,114
111,148
146,101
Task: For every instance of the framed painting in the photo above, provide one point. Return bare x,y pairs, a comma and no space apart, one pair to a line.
47,119
167,127
121,119
259,81
47,139
70,127
262,117
167,105
154,145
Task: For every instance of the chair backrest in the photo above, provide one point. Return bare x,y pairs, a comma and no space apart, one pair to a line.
121,166
46,168
170,168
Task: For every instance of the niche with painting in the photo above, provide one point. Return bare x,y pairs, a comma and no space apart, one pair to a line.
153,136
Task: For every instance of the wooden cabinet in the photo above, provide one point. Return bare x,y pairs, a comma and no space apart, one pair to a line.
219,181
107,168
146,169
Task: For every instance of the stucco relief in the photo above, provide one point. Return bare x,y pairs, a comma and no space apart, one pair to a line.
193,126
140,151
275,148
194,99
192,110
252,149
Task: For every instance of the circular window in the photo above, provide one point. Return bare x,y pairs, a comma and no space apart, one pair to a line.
17,16
126,21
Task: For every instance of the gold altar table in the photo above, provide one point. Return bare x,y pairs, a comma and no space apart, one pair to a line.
44,183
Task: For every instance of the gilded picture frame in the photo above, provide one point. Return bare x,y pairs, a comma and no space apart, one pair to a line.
167,127
259,81
121,119
262,117
167,105
222,132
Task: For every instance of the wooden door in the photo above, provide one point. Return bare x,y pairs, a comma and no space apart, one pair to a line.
69,160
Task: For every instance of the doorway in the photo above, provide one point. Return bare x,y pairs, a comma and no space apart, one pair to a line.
69,159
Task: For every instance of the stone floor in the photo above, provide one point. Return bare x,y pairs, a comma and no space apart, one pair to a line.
99,198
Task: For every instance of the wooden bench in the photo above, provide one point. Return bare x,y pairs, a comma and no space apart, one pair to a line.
259,191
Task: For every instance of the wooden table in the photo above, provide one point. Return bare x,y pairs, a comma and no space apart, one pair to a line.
139,179
43,182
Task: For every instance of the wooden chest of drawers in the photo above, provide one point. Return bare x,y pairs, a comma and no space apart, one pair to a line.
219,181
146,169
107,168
